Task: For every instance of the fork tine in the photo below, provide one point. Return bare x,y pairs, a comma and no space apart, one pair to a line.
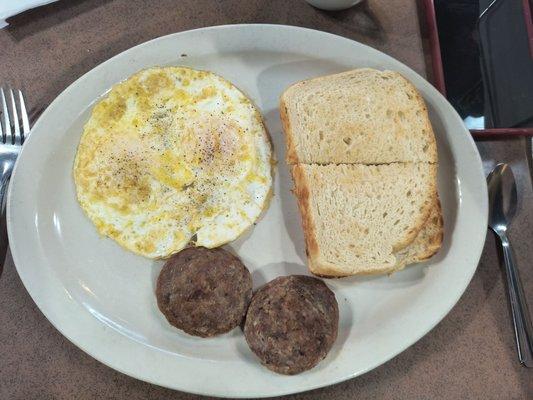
2,137
24,116
7,124
16,138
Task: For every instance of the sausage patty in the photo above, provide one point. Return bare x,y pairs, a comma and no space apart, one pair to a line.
204,292
292,323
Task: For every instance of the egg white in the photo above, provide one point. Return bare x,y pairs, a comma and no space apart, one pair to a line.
170,157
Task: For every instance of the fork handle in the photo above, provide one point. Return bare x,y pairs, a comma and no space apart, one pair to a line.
4,183
519,310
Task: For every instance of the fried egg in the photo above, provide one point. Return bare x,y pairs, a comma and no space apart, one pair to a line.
170,157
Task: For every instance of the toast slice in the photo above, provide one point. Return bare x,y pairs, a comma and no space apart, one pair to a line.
357,217
427,242
363,116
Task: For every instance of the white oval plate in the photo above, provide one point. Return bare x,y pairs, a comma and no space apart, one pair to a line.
101,297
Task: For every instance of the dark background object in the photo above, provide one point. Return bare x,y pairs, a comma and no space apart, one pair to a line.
507,64
487,64
456,21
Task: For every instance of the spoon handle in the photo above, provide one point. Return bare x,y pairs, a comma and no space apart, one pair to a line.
519,310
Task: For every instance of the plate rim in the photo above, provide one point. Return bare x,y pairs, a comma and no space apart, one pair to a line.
238,394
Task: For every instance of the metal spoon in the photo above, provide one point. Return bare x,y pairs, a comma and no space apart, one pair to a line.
502,207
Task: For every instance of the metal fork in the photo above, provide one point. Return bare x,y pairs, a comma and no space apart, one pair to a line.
14,129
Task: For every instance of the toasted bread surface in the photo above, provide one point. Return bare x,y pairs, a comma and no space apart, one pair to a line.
355,217
362,116
364,160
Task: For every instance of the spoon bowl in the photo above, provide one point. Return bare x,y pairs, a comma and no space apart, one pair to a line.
502,197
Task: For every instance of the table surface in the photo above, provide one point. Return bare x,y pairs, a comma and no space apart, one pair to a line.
470,354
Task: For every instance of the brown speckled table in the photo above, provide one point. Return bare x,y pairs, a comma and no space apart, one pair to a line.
469,355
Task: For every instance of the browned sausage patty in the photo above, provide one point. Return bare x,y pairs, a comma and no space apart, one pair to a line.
204,292
292,323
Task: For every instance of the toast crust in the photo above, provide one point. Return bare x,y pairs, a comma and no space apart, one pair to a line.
424,215
302,195
430,245
291,156
423,107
